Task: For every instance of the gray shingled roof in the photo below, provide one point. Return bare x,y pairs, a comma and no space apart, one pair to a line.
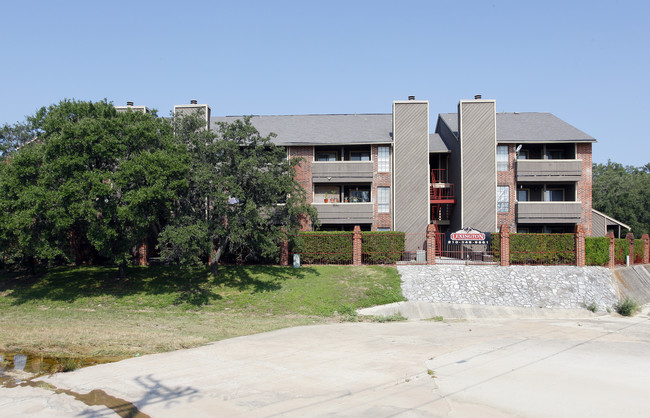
321,129
528,127
436,144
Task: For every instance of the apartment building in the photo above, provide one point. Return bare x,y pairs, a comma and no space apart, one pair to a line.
478,168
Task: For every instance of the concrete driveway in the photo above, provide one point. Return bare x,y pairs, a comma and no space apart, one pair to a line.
597,367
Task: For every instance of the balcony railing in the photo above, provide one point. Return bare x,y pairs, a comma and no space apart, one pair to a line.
341,171
549,212
549,170
440,190
344,213
442,193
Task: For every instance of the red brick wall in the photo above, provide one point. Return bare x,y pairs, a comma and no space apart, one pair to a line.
507,178
303,173
380,220
584,186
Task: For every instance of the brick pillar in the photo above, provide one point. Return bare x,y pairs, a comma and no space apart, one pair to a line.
646,248
432,231
284,253
580,246
630,237
143,255
356,246
612,249
504,233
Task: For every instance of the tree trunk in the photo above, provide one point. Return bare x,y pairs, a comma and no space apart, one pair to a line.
216,255
121,270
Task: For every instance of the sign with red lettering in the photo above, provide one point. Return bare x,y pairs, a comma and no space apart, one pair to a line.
468,236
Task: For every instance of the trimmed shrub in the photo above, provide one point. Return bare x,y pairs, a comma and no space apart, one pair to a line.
596,251
552,249
324,247
382,247
638,251
495,246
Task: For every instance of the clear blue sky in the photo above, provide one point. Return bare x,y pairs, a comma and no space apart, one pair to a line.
587,62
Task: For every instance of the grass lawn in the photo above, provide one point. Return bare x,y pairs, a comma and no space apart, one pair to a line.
87,312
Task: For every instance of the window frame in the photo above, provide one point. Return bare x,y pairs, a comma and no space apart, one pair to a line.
501,163
383,199
500,203
383,159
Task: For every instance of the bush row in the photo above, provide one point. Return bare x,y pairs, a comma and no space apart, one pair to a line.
325,247
596,251
551,249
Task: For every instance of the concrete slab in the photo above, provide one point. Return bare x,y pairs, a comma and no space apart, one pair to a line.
414,310
537,367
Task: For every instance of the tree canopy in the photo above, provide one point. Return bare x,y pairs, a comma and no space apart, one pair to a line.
242,199
623,193
96,183
95,177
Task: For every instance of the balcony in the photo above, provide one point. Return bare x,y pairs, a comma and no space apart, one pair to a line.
548,170
344,213
341,171
549,212
440,191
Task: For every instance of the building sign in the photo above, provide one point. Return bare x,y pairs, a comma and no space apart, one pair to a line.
468,236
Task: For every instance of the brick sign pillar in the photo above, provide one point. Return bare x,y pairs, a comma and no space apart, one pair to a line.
580,246
612,249
504,233
431,244
646,248
356,246
284,253
630,237
143,255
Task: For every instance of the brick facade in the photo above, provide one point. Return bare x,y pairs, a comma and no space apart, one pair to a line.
507,178
303,174
304,177
380,220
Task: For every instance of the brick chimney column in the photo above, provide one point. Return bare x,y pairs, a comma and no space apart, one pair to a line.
356,246
580,246
432,231
143,253
646,248
612,249
504,233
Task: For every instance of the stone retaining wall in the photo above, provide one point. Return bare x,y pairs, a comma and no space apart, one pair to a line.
526,286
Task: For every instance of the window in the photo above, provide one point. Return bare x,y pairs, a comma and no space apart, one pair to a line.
554,195
383,199
383,228
523,154
503,198
502,158
326,156
359,155
383,159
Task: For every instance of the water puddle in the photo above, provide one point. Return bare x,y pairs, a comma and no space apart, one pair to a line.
20,369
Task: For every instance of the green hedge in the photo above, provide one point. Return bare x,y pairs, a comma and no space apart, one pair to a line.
382,247
324,247
596,251
638,251
333,247
495,246
553,249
